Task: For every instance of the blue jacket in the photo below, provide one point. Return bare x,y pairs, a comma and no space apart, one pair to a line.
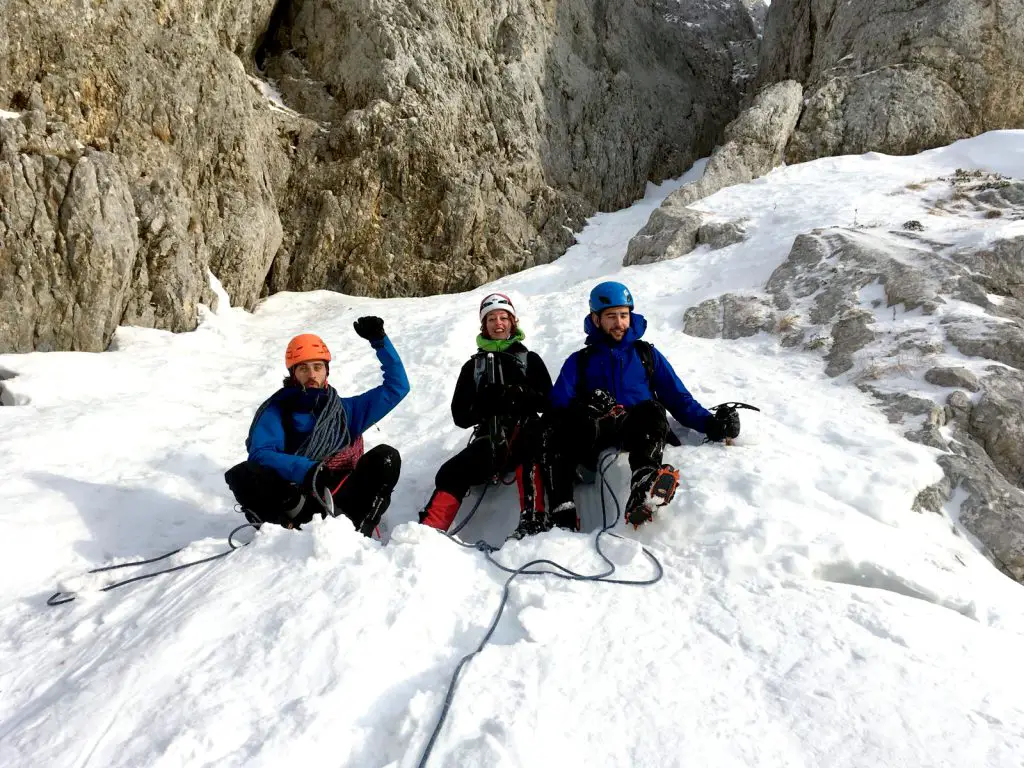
273,446
617,368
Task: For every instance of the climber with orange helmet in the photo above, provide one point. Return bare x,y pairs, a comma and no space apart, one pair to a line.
305,443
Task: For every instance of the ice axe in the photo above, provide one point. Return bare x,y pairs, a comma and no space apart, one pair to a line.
727,413
494,379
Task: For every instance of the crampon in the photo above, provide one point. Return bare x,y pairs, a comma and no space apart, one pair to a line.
655,489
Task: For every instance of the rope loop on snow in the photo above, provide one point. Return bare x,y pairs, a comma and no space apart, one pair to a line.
525,570
61,598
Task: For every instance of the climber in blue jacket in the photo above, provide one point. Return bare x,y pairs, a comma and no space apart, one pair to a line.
305,443
614,393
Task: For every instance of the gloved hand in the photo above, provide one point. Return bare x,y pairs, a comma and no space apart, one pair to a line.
322,482
513,400
598,403
370,328
490,399
725,423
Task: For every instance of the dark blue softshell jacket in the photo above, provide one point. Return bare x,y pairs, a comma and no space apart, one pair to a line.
272,444
617,368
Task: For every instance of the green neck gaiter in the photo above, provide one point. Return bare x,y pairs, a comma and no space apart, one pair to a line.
499,345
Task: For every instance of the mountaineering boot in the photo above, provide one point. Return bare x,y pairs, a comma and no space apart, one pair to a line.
650,488
251,518
530,524
532,519
440,510
566,516
380,504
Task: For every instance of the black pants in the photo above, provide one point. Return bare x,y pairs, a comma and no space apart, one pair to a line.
363,497
574,439
479,461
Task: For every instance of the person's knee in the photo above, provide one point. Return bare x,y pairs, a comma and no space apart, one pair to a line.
448,478
386,463
252,479
651,415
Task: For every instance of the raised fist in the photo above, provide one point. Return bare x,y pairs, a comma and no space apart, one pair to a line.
370,328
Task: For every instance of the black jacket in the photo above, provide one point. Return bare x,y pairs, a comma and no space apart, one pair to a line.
529,392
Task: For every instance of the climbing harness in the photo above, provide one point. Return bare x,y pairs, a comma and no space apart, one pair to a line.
525,570
60,598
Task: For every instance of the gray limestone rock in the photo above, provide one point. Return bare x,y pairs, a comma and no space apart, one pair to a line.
671,232
959,405
992,512
68,237
745,316
843,282
729,317
160,93
720,234
705,320
422,146
896,76
754,144
463,141
851,333
997,422
952,377
898,406
1003,342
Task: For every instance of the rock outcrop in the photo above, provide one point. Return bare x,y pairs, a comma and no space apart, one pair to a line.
465,141
889,310
895,76
755,143
420,146
153,101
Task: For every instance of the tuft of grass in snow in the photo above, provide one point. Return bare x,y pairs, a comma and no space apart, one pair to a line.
787,323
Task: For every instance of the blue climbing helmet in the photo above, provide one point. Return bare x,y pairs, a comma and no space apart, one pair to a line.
610,294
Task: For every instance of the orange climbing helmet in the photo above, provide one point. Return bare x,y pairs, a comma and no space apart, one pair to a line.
305,347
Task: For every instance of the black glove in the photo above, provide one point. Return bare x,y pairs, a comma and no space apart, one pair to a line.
491,399
513,400
598,404
370,328
724,424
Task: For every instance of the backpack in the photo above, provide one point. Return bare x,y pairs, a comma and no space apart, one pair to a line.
480,364
643,348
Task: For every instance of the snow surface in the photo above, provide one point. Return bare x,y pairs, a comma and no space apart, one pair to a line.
806,616
273,96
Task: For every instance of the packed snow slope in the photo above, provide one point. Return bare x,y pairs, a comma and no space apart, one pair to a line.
807,616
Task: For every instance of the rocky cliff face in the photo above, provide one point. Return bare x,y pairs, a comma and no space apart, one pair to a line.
461,141
420,147
896,76
142,158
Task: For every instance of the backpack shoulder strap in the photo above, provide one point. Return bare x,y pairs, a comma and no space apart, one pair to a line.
521,356
480,363
582,357
646,352
479,368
